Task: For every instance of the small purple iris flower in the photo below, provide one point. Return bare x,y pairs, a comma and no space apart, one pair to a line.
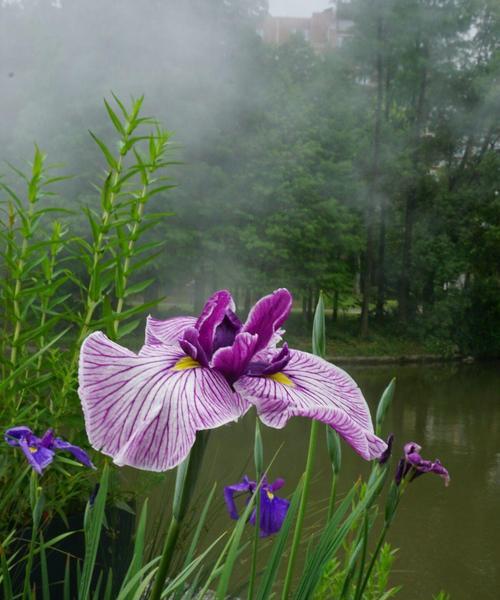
40,452
272,509
200,373
415,465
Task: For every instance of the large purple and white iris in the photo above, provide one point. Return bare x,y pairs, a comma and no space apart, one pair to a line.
199,373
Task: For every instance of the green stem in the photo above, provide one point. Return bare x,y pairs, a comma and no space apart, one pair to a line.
363,555
313,438
187,474
166,558
383,533
333,495
253,569
126,265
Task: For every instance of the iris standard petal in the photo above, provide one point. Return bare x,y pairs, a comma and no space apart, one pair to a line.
211,317
267,316
144,411
167,331
311,387
232,361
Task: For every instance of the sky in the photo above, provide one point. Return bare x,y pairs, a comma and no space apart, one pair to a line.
296,8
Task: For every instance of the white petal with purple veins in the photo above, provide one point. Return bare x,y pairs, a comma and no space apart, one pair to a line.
143,410
167,331
311,387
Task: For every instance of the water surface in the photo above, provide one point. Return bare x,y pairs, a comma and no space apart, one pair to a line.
449,538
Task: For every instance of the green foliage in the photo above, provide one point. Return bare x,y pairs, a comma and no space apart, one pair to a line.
58,286
332,582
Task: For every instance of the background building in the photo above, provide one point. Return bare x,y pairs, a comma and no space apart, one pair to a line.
324,30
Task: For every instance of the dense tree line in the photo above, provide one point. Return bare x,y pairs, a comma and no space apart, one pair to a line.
371,172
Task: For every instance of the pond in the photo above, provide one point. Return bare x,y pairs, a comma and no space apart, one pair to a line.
449,538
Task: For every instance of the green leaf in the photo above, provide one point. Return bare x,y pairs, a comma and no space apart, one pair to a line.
138,554
136,288
128,328
334,449
106,152
114,118
271,572
318,335
383,405
94,518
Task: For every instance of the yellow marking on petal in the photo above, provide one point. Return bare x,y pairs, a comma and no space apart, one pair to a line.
270,495
186,362
281,378
33,450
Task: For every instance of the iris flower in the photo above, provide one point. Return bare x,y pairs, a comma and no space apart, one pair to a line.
200,373
414,465
40,452
272,509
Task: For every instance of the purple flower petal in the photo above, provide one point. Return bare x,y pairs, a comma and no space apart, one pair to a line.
272,512
144,411
167,331
412,447
438,468
38,457
77,452
211,317
311,387
230,490
13,435
267,316
232,361
190,343
227,330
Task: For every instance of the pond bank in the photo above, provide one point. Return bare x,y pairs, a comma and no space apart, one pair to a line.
404,359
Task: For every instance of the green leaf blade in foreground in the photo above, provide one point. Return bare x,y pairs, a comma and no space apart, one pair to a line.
94,518
383,405
271,572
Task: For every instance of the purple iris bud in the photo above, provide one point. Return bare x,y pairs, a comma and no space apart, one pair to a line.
414,465
272,508
40,452
200,373
386,454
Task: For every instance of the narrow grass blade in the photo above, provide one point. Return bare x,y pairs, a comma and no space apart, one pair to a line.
273,563
93,526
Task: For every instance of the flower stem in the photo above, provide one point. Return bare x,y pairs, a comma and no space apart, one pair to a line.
253,569
187,474
313,438
360,590
333,495
258,452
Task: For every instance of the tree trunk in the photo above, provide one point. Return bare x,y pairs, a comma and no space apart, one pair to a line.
309,305
379,310
335,309
406,265
367,274
411,197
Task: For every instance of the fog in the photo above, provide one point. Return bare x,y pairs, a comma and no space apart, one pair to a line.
297,8
334,163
